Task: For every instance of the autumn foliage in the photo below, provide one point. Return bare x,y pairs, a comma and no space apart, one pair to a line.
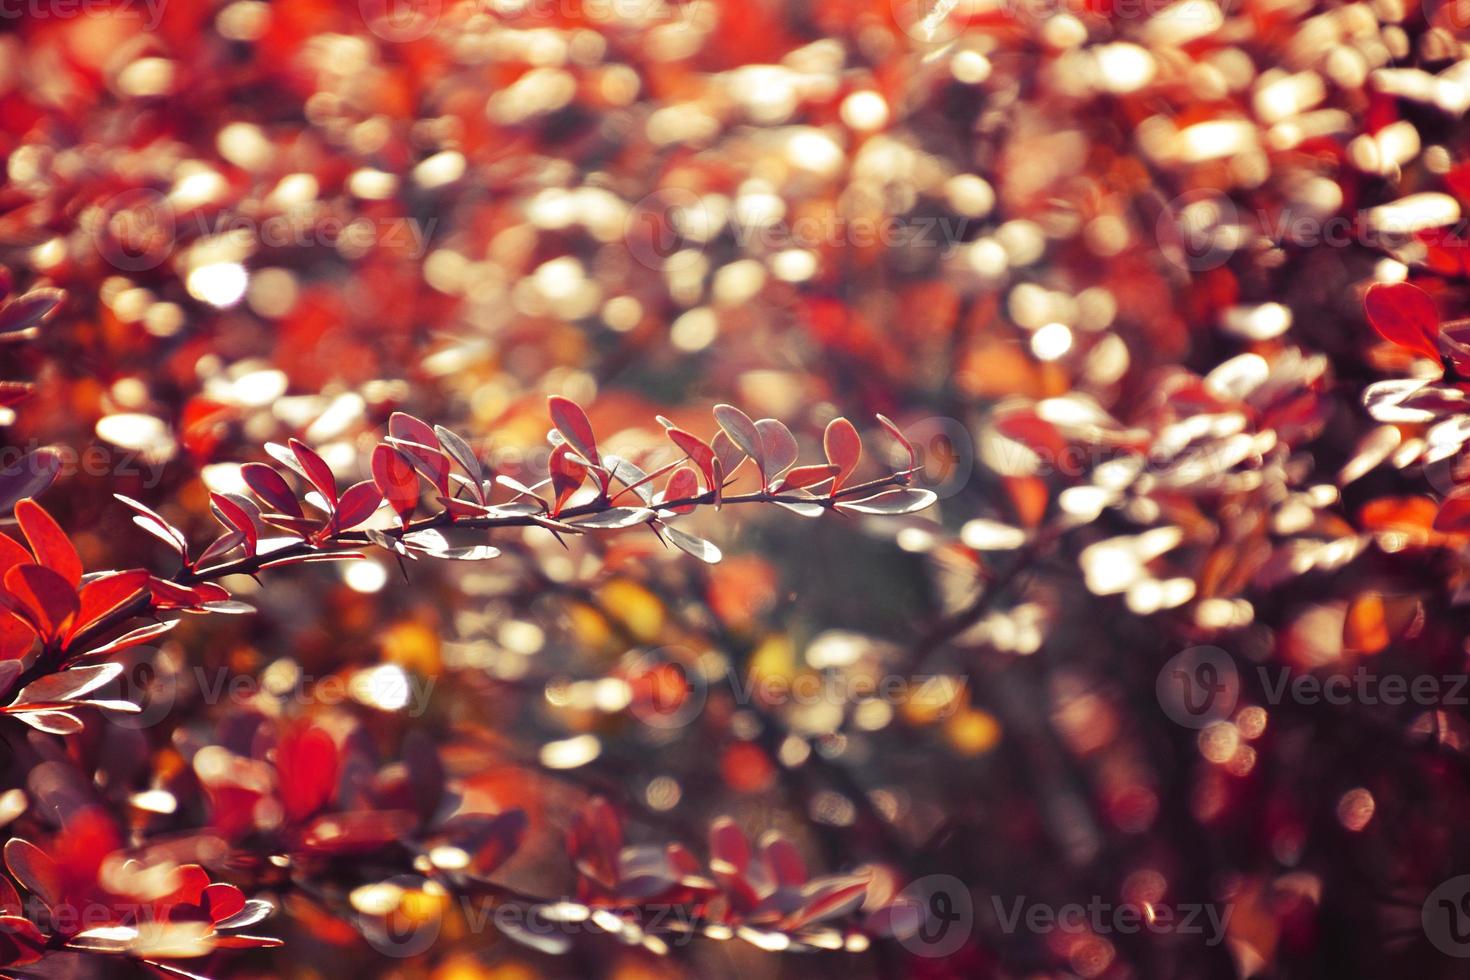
687,488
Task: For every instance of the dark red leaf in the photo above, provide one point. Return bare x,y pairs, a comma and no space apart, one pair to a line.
235,517
1454,513
566,475
430,462
317,471
30,310
21,941
271,488
1405,315
357,504
397,479
14,392
28,477
34,869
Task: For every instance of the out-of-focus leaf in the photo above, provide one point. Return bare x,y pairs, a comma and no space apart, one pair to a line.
28,477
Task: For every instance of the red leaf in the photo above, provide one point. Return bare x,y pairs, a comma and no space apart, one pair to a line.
101,596
316,470
698,451
728,849
574,427
221,901
397,479
403,426
807,476
48,541
14,392
566,475
358,503
306,763
1405,315
844,447
21,942
1454,513
683,483
783,860
271,488
42,598
233,516
16,637
428,460
12,554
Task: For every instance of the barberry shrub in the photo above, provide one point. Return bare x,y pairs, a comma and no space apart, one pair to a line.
308,806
